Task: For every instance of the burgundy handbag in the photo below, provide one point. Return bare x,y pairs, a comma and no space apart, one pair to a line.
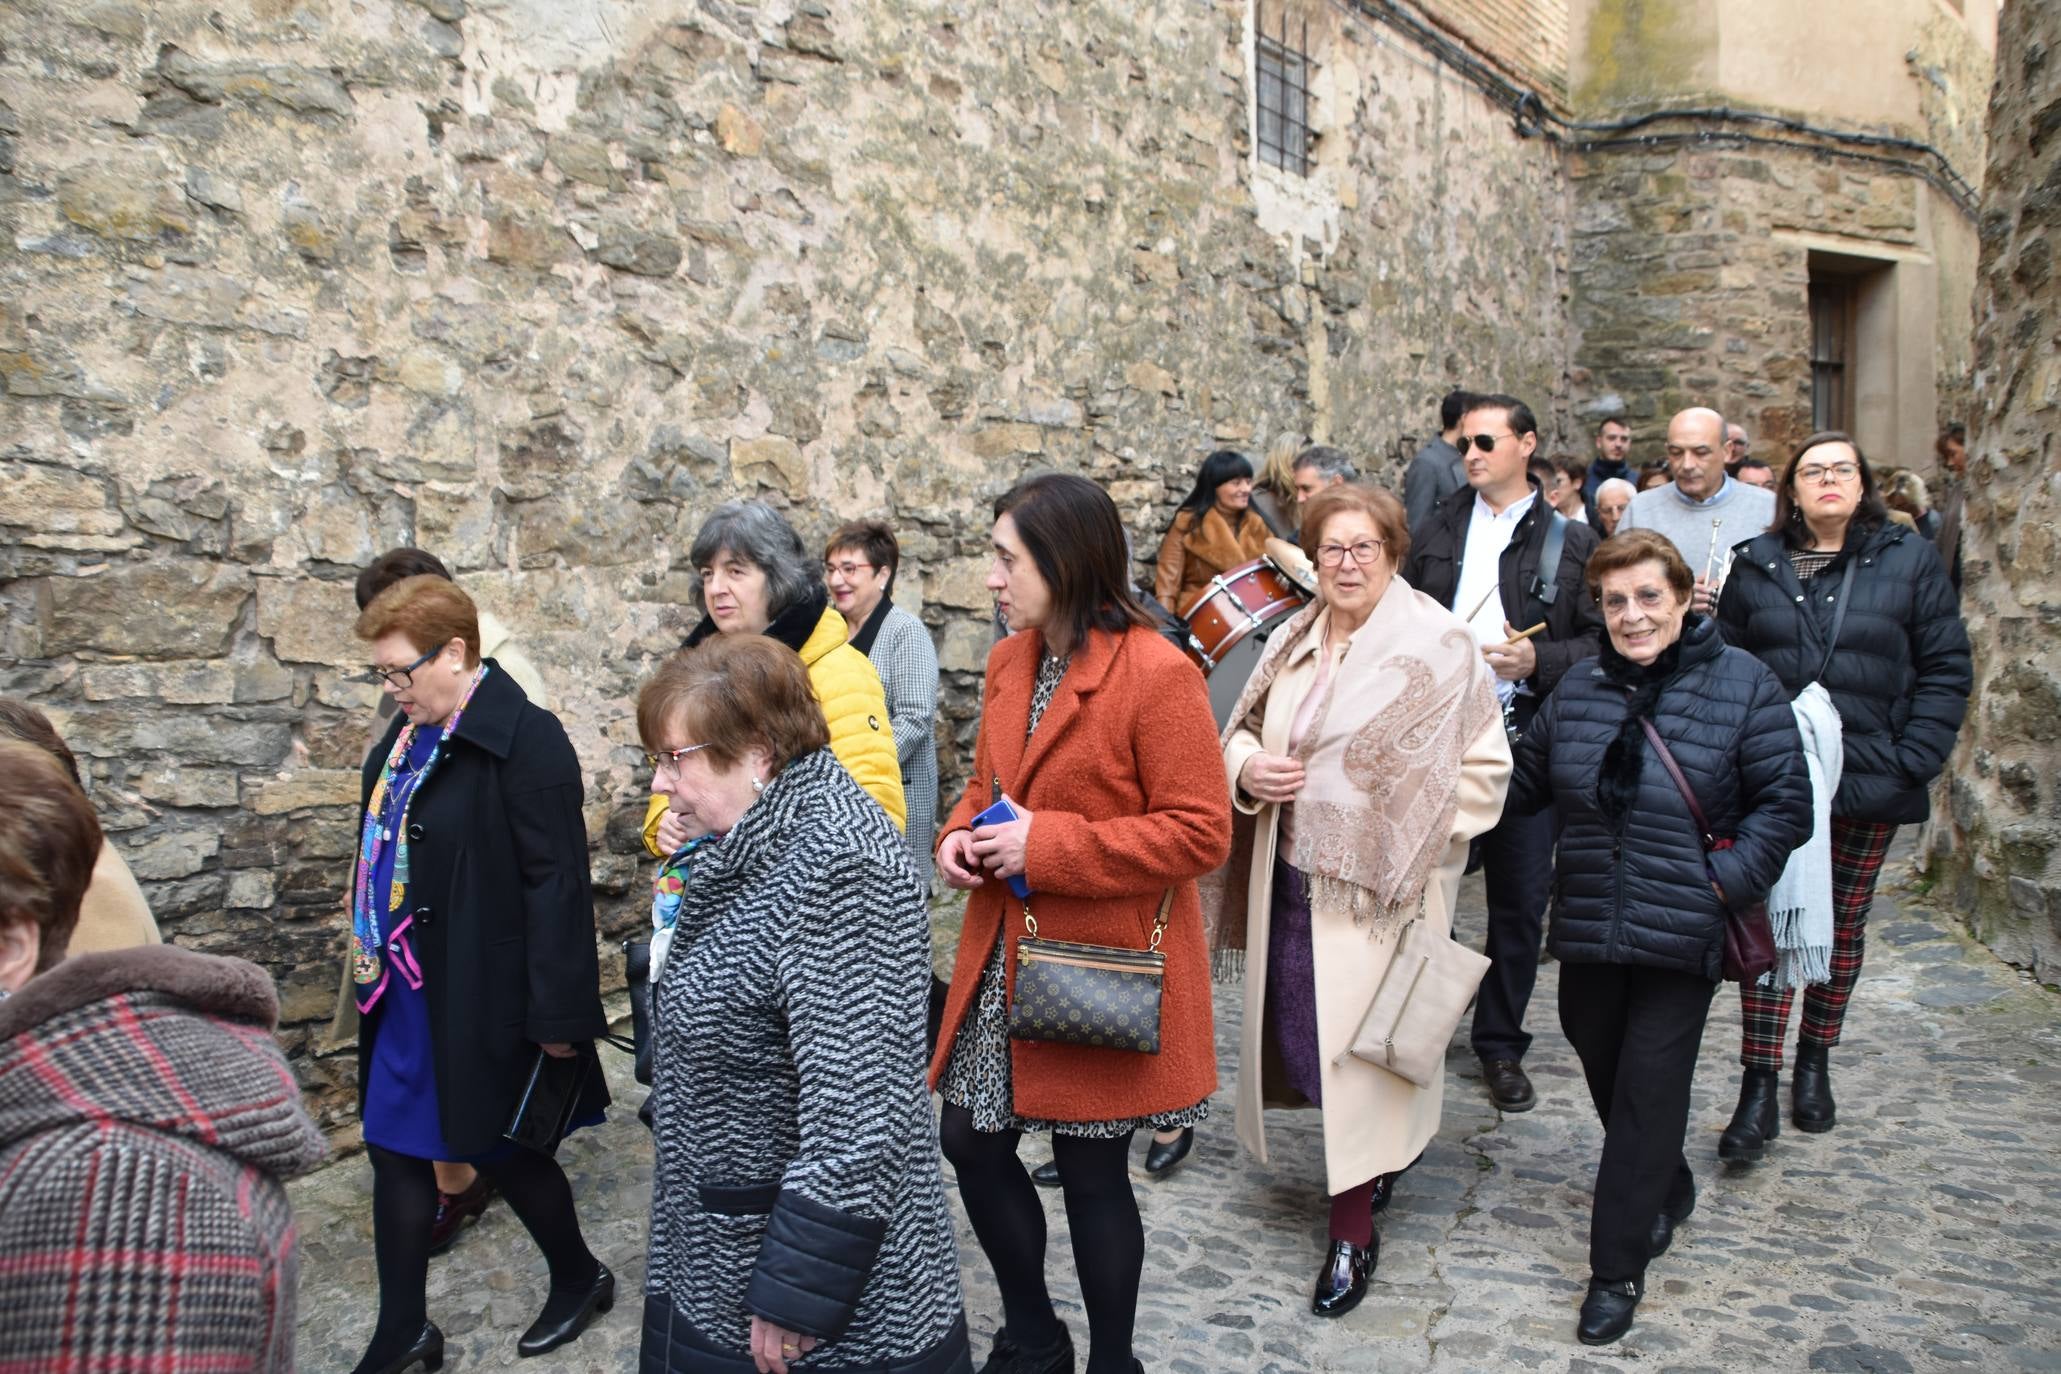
1749,939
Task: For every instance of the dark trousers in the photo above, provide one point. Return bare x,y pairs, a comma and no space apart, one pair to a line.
1637,1031
1517,868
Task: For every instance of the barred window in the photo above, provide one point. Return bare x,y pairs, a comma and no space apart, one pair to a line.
1281,80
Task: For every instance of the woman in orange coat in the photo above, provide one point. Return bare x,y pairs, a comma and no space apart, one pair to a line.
1100,733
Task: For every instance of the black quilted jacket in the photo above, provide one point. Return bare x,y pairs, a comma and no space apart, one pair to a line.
1643,897
1900,675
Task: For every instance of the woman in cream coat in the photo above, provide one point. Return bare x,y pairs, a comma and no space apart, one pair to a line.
1366,751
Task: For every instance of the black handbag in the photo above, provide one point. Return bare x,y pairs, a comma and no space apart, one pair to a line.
1105,996
544,1112
637,978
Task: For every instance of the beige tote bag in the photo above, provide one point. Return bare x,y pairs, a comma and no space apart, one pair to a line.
1419,1004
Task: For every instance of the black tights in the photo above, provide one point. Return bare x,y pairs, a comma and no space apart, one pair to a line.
1009,1220
404,1205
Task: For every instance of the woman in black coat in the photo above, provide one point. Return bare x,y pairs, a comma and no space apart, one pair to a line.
1835,565
1639,909
472,950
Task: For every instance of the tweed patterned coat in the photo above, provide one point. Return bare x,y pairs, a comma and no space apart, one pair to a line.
797,1174
901,652
147,1121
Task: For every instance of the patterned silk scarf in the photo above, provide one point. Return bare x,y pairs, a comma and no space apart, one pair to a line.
665,898
369,909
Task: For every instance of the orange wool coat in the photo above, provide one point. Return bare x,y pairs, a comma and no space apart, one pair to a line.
1127,797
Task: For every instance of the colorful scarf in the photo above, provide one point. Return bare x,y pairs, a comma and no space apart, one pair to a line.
665,898
368,970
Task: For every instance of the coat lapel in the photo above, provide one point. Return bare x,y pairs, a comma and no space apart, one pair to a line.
1091,663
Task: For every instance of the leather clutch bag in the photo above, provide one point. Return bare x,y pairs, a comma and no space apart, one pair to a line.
544,1111
1430,980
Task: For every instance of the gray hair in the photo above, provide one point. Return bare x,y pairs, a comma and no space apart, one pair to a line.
1331,463
756,533
1607,483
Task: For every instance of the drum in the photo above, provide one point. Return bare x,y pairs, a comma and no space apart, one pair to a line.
1229,621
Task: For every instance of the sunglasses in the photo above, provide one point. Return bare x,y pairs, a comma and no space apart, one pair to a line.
1485,442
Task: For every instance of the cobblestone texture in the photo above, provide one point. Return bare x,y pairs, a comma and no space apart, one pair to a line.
1921,1234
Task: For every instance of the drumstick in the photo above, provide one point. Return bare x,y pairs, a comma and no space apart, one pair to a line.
1526,634
1469,617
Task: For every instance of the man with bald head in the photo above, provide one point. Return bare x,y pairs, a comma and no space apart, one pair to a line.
1703,511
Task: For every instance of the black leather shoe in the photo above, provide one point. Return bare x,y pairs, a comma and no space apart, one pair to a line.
1161,1158
1342,1282
1508,1086
1607,1311
1810,1091
427,1351
1663,1233
1010,1358
1384,1186
1046,1175
548,1334
1756,1121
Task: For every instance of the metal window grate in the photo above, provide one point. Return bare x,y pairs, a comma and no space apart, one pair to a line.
1831,310
1283,82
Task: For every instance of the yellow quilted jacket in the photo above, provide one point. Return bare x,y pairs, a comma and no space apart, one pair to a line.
860,733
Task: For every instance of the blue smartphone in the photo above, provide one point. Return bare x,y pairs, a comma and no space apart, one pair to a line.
1001,813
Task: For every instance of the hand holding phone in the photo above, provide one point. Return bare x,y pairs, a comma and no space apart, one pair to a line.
990,847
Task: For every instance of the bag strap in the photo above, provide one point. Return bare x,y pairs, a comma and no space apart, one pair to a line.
1674,770
1166,904
1547,584
1838,615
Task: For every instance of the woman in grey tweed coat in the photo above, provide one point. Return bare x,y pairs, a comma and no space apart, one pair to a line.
797,1201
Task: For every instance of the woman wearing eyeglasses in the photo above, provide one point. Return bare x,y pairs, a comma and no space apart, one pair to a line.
1837,593
754,578
472,928
1367,750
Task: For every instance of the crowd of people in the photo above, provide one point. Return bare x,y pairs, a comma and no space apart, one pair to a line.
1656,716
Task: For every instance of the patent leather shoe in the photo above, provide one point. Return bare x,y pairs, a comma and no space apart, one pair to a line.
427,1351
1162,1156
1756,1120
1509,1087
548,1334
454,1210
1383,1186
1046,1175
1810,1091
1342,1282
1607,1311
1008,1357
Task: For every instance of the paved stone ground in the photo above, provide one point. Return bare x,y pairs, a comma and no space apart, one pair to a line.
1924,1233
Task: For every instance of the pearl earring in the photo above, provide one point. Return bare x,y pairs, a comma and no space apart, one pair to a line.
758,785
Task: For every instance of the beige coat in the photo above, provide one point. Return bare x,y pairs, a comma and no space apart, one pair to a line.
114,914
1374,1121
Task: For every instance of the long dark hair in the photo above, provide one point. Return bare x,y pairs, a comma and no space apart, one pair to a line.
1074,535
1870,512
1225,465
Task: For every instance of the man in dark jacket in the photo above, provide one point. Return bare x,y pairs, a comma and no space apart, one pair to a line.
1438,470
1481,552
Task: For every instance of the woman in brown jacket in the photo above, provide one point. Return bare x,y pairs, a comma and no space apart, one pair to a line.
1100,733
1215,530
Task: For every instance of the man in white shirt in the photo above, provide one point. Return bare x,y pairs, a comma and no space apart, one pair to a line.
1703,511
1483,551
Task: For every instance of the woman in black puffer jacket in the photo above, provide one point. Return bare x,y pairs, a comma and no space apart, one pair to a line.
1899,676
1638,919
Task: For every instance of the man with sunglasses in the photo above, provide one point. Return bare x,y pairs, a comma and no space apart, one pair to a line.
1505,561
1704,511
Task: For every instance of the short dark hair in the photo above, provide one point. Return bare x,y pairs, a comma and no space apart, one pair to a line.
1330,462
870,537
1540,469
1608,420
1753,461
49,843
1225,465
734,692
1522,421
1648,471
1376,503
1870,512
1570,467
1630,548
1455,405
19,720
397,565
1954,433
1072,531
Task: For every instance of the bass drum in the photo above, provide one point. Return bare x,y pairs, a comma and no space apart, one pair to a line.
1228,624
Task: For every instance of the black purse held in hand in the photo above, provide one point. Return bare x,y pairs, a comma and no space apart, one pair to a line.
1105,996
545,1110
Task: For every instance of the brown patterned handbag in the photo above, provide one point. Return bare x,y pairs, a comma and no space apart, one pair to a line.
1105,996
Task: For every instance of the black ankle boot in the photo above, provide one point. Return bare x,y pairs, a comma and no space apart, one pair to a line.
1607,1311
1810,1090
1010,1358
1757,1121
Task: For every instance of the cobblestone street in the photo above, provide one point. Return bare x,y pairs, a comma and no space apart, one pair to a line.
1923,1233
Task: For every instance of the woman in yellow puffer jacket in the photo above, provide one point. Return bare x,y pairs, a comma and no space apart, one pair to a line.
756,579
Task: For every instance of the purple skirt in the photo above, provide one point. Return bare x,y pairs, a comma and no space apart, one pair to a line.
1292,983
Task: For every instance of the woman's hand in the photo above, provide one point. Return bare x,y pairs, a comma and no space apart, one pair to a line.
558,1049
1271,778
1000,848
772,1346
675,828
955,860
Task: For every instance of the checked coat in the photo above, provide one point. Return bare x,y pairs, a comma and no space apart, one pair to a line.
147,1121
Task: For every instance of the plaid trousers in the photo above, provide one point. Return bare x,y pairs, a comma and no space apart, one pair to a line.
1858,848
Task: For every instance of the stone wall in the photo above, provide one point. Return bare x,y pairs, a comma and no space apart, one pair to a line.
1996,848
286,282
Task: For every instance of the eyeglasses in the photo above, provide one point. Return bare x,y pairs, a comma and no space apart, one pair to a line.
1485,442
400,679
668,760
847,569
1332,555
1650,599
1819,474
